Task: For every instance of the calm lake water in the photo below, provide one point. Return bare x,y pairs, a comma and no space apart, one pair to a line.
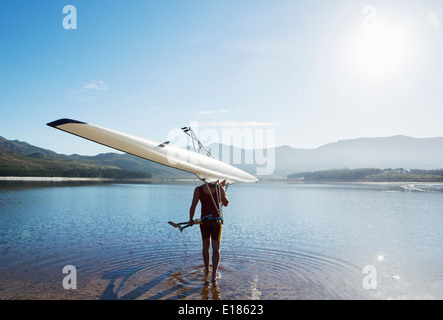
280,241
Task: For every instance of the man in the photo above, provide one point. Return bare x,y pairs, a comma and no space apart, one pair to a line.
212,230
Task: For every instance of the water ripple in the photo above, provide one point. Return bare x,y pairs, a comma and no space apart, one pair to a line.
175,271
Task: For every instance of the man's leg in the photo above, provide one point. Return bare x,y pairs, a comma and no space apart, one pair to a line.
215,259
216,241
205,251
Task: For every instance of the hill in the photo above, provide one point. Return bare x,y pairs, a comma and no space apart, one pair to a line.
381,153
389,152
22,159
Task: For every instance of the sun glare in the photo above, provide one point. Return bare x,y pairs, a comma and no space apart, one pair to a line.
380,52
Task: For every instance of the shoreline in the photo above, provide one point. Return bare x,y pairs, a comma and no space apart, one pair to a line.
79,179
365,182
57,179
153,180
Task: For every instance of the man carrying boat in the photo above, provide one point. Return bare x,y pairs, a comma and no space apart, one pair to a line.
211,197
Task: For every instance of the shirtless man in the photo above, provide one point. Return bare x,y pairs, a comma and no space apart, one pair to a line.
211,230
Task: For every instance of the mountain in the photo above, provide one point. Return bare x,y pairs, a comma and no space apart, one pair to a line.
22,148
22,159
389,152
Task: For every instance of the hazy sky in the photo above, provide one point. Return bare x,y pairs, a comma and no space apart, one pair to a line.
313,71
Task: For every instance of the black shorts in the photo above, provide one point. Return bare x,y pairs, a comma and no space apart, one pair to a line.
211,230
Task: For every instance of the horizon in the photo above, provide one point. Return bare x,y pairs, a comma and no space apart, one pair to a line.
307,73
383,153
107,150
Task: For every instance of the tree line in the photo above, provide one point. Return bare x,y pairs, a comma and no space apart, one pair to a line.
74,173
369,174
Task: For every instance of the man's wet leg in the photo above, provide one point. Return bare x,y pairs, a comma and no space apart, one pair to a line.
205,252
215,259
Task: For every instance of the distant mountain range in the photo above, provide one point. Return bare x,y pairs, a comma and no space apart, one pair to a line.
18,157
389,152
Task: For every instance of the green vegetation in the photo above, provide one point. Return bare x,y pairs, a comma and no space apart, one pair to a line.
74,173
369,175
19,159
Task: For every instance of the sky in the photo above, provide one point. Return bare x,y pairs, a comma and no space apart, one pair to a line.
301,73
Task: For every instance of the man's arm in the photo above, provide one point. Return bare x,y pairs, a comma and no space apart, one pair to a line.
194,205
224,197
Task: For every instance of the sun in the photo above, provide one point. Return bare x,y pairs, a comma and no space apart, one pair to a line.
380,52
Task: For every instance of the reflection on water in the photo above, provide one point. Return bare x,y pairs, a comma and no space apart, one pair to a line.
170,285
251,274
280,242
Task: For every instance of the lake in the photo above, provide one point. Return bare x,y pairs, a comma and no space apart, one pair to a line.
280,241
